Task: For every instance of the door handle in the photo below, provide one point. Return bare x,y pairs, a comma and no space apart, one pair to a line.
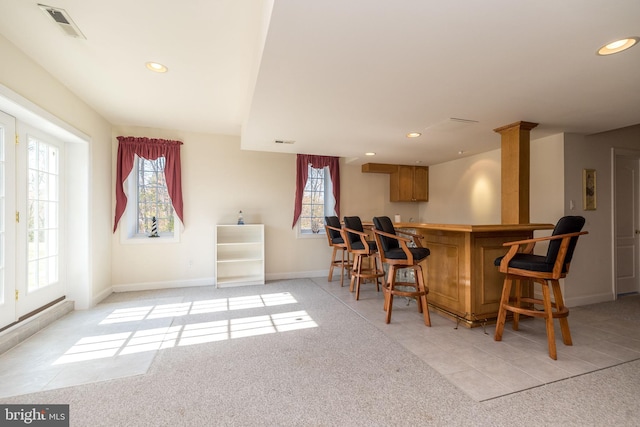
637,231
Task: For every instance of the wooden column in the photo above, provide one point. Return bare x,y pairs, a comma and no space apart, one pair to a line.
515,172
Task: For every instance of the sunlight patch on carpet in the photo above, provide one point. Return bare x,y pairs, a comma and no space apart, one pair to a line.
135,314
112,345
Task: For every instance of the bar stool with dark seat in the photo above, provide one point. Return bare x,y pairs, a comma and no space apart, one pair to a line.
334,236
545,270
395,252
362,249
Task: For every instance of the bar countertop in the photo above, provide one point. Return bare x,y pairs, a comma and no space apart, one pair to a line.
474,228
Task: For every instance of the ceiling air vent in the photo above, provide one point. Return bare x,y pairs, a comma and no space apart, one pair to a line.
281,141
64,21
451,124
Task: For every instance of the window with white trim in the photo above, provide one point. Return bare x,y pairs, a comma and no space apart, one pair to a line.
317,202
154,203
149,211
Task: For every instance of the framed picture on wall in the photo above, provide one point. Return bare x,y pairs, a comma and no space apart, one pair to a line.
589,189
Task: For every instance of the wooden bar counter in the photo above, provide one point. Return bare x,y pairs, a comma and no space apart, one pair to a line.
463,282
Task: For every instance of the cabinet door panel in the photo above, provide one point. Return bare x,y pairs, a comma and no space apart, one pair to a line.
421,184
405,181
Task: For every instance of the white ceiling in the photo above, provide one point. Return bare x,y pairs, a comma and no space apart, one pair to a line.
344,77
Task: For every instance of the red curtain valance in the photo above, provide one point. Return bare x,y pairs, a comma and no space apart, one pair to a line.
149,149
302,174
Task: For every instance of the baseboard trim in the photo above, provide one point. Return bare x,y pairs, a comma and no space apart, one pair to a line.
149,286
206,281
19,332
102,295
297,275
590,299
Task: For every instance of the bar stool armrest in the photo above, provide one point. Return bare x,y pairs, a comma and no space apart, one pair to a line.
363,238
402,241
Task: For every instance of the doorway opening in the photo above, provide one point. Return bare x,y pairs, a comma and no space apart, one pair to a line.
44,205
626,171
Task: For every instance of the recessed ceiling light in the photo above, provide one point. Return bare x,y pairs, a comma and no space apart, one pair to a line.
460,152
618,46
413,134
371,153
158,68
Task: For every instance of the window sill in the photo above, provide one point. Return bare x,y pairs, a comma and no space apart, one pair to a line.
146,240
321,235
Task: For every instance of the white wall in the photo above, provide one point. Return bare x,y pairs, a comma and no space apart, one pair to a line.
218,180
591,277
367,195
464,191
27,79
547,201
468,190
546,185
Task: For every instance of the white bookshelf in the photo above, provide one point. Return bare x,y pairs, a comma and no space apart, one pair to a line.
239,255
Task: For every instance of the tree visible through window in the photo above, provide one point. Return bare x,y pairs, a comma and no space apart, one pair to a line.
317,184
314,201
153,160
153,197
43,201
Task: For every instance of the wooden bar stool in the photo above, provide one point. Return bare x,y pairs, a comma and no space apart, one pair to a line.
522,265
334,236
395,252
361,249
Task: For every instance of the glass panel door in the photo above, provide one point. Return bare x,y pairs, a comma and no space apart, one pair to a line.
39,233
43,204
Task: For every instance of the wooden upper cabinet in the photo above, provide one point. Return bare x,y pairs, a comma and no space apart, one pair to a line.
421,183
407,183
410,184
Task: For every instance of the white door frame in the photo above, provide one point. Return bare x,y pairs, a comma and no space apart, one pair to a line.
7,286
79,200
32,300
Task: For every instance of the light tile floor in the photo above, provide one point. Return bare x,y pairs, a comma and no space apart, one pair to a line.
469,358
44,361
484,368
